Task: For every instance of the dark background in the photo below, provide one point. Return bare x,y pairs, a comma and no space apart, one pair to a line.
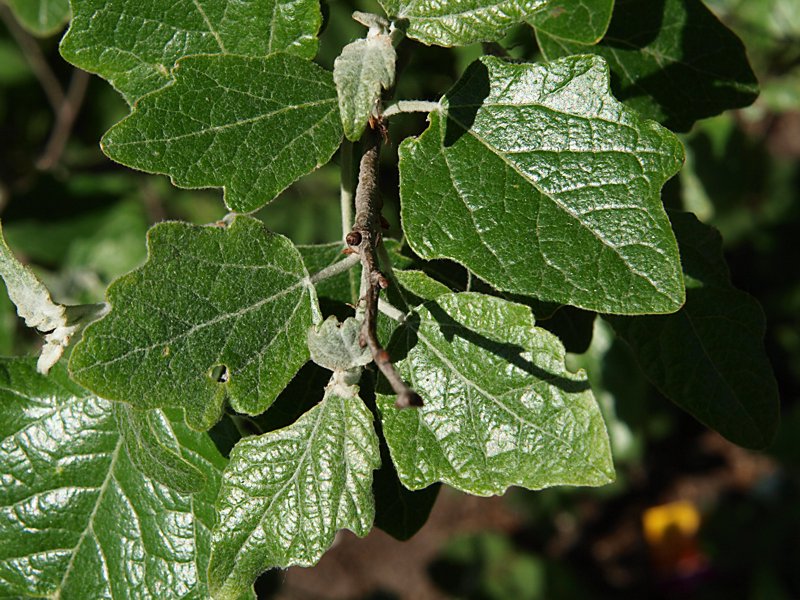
731,528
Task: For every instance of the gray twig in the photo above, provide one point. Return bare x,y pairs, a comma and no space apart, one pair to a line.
365,238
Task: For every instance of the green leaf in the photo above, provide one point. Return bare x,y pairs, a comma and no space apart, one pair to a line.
78,519
709,357
460,22
362,70
215,313
561,202
249,125
135,43
421,285
671,60
152,449
500,408
581,22
40,17
286,493
400,512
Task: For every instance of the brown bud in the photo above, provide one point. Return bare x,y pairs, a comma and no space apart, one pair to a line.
382,357
353,238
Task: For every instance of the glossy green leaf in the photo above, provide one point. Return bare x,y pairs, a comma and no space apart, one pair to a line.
135,43
459,22
671,60
249,125
151,447
363,69
78,519
286,493
579,21
561,202
40,17
215,313
500,408
709,357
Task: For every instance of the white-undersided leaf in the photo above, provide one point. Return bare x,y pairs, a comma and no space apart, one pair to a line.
77,519
286,493
252,126
216,313
361,71
135,43
40,17
537,180
460,22
500,407
336,346
59,323
153,449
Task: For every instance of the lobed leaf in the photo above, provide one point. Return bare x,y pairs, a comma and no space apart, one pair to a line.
537,180
500,408
671,60
460,22
286,493
252,126
709,357
40,17
579,21
216,313
78,519
135,43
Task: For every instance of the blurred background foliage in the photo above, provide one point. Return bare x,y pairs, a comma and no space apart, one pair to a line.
690,515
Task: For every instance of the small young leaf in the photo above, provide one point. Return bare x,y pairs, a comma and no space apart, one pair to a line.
500,408
135,43
561,202
671,60
250,125
336,346
40,17
78,519
152,448
59,323
709,357
215,313
583,22
285,494
364,68
460,22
